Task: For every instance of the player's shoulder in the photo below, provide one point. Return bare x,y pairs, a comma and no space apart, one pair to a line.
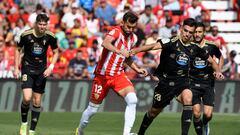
210,43
27,32
174,39
49,33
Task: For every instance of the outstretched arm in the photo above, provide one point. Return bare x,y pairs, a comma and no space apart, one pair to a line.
134,66
153,46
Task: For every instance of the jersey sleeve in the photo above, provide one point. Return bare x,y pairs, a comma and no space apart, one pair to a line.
165,42
135,39
20,43
114,33
217,52
53,43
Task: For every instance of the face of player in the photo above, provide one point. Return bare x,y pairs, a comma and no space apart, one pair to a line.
198,34
187,33
128,28
41,27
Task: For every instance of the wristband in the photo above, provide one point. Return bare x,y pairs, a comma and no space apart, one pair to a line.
51,66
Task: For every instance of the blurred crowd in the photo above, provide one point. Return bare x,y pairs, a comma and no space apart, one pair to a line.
80,26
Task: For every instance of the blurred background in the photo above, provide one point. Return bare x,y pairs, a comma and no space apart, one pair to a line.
80,26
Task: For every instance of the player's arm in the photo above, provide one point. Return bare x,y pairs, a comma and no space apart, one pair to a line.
134,66
218,74
17,56
153,46
107,43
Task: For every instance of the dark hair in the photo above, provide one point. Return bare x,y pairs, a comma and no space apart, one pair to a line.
42,18
200,24
148,6
130,17
189,22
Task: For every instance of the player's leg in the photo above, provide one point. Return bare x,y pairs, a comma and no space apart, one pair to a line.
196,102
99,92
130,112
197,119
38,91
163,94
208,101
27,84
124,87
207,116
186,98
36,110
148,119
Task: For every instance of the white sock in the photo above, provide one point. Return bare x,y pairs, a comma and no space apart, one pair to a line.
31,131
130,112
87,114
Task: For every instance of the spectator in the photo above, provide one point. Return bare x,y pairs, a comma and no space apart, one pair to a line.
77,68
120,14
230,68
68,18
32,17
70,52
148,20
60,68
4,66
93,25
79,32
166,31
87,5
219,41
91,66
194,10
106,13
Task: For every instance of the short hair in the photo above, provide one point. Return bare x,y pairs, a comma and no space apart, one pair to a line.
189,22
42,18
130,17
200,24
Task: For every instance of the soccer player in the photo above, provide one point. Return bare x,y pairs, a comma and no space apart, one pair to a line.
202,81
34,44
109,73
173,71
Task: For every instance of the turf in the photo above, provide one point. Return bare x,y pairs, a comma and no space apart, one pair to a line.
112,123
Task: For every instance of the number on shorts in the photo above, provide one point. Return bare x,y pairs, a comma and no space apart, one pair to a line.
98,89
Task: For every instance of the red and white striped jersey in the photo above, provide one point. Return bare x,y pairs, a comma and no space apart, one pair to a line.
111,63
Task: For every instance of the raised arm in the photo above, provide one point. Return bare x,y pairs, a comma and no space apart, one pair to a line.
153,46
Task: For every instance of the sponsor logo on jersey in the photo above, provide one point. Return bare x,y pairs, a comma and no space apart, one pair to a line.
199,63
182,59
37,49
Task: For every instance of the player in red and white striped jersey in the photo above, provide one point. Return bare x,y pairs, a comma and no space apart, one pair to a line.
109,73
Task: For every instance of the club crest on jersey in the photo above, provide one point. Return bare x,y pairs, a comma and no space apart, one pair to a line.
44,42
96,96
157,97
199,63
182,59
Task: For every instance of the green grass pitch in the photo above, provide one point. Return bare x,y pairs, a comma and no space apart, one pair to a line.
112,123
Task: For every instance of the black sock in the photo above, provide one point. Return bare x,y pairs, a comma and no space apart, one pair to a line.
186,118
198,125
35,117
24,112
145,124
205,120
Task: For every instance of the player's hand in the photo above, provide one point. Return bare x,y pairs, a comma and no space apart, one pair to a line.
218,75
47,72
124,52
143,71
16,74
132,52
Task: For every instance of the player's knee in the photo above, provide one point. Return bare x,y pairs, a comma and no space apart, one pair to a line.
197,114
131,98
208,115
93,108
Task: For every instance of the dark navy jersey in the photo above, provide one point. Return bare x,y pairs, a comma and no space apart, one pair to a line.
176,57
35,49
200,68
